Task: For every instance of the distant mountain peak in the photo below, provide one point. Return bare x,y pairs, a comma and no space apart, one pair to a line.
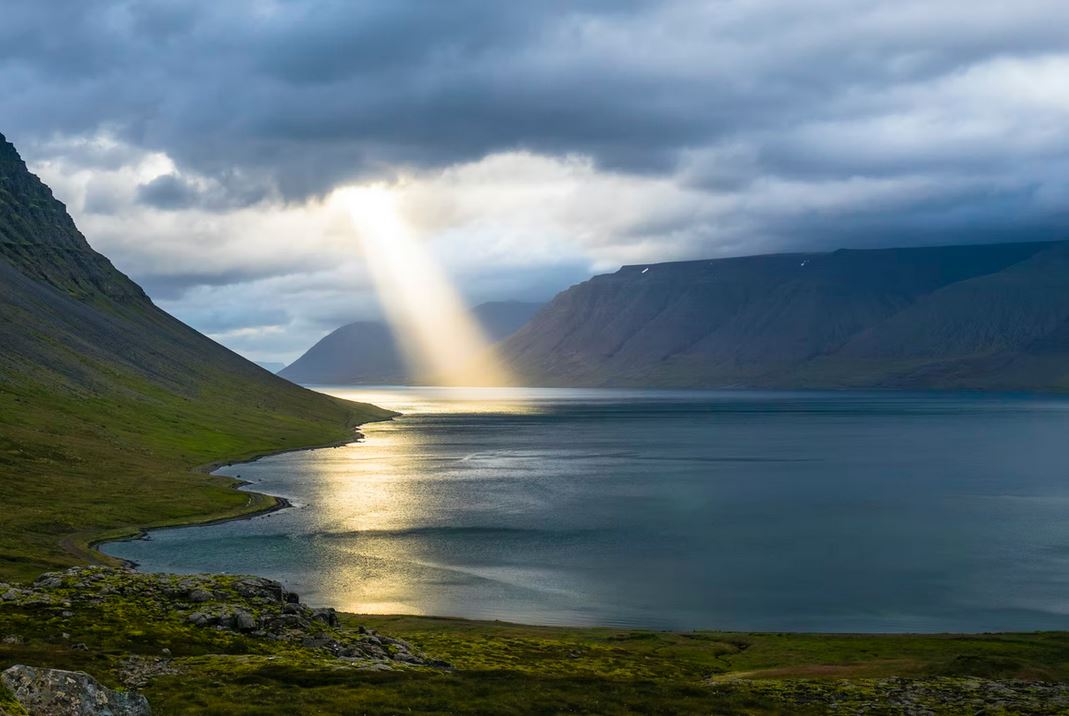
368,352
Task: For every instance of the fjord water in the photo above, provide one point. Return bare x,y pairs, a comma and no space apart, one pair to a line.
733,510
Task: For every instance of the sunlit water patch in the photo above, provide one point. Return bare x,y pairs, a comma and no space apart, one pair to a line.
736,510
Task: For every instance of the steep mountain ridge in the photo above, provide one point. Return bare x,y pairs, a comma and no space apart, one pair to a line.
40,240
844,318
107,402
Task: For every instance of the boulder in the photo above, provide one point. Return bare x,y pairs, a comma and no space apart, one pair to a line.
198,596
199,619
48,580
243,621
328,616
260,588
53,691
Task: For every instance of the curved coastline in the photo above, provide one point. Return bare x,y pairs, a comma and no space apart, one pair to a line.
258,504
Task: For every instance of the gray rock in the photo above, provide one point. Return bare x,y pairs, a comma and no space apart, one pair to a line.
288,621
73,693
48,580
260,588
198,596
322,642
327,616
199,619
243,621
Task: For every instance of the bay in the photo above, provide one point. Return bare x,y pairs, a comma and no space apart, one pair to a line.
747,510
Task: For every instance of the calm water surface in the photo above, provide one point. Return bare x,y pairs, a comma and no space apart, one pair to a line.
735,510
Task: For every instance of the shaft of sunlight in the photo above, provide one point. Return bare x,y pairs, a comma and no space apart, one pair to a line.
438,335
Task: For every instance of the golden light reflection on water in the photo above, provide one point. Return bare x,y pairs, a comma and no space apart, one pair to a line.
374,498
441,400
368,496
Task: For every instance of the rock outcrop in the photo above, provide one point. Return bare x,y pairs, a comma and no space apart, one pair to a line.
255,607
54,692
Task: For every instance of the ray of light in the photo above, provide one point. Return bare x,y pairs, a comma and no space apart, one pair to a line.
441,340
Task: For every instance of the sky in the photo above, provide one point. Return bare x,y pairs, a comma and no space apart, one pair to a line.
203,145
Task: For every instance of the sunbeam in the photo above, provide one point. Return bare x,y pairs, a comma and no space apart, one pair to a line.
441,341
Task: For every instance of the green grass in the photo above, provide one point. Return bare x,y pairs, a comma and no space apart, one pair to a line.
693,656
77,467
503,668
508,668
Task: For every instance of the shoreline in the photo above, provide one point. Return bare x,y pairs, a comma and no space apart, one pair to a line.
258,505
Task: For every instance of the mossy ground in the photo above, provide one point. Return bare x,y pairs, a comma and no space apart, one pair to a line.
508,668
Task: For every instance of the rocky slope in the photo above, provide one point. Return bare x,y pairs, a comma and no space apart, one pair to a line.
367,352
984,316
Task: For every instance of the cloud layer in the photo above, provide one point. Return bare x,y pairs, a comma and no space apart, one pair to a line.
199,143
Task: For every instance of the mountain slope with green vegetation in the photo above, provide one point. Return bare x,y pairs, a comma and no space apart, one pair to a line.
108,404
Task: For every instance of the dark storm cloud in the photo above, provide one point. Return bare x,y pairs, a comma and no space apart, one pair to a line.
312,93
171,192
173,285
821,124
168,191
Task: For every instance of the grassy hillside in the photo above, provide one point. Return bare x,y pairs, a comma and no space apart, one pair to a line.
108,404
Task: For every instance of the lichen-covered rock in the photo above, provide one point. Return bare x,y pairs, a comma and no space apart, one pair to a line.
44,692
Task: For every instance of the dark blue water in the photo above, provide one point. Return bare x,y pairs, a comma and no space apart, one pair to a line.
734,510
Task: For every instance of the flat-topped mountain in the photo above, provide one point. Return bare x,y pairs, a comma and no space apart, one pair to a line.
979,316
367,352
106,401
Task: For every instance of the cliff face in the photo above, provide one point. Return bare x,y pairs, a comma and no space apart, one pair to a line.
984,316
39,239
